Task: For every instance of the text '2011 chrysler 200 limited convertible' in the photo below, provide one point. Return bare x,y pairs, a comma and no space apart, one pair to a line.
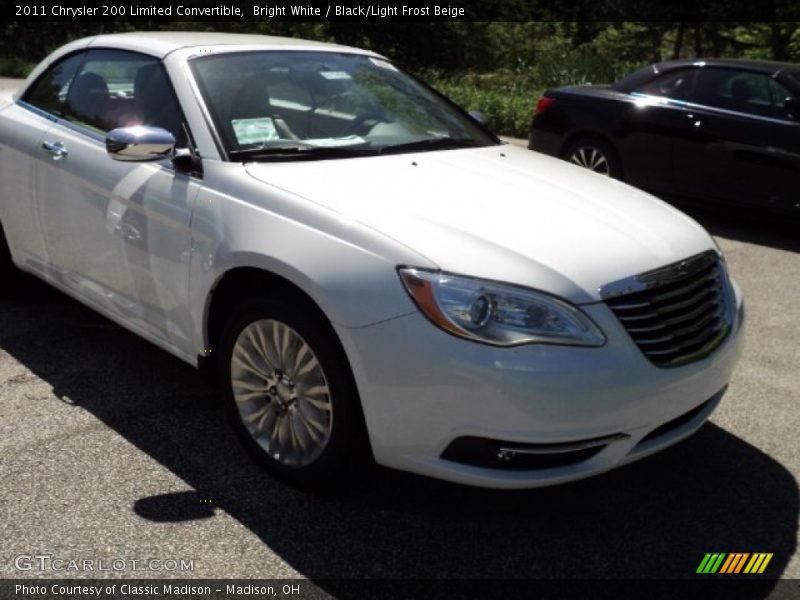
369,271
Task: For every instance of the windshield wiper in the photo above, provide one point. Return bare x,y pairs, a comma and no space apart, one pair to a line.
431,144
298,151
294,151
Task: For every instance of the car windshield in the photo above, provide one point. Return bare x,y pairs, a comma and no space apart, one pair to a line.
269,105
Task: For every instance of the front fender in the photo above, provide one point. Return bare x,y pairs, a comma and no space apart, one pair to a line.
348,269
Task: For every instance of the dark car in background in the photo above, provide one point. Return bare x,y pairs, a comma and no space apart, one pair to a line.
713,130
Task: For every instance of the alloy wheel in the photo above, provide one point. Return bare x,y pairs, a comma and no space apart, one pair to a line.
281,393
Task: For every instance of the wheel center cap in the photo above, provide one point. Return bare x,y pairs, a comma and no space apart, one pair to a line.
284,391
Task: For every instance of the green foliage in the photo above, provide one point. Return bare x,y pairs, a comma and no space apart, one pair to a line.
507,98
15,67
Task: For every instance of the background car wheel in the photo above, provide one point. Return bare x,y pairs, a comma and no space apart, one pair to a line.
289,391
596,155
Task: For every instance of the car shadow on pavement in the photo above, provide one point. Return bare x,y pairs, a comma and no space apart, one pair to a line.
652,519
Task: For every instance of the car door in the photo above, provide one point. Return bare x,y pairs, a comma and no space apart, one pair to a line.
652,129
743,145
22,127
118,233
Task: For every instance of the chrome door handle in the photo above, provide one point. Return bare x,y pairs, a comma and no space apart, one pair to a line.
57,149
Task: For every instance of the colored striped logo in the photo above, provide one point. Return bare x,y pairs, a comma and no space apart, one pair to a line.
735,562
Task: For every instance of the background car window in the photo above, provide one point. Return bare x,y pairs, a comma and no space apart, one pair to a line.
49,91
742,91
676,85
121,89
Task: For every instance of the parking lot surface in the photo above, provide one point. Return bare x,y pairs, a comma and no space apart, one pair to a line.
110,448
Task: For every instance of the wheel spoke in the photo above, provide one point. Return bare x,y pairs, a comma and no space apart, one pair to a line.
312,432
267,420
296,434
257,415
308,367
591,158
257,345
247,396
301,354
245,362
320,427
598,160
276,343
317,390
251,387
284,344
318,404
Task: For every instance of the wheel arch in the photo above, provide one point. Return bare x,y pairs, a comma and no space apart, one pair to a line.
238,282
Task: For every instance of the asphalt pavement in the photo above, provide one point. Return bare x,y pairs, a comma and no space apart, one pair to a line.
110,448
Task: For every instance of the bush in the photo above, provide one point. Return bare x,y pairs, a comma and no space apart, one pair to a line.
507,100
15,67
508,97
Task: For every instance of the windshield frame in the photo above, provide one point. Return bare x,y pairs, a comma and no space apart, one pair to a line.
223,144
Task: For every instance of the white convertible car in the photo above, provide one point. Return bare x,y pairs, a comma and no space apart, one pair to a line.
368,271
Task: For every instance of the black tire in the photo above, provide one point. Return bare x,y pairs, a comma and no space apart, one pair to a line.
594,154
347,453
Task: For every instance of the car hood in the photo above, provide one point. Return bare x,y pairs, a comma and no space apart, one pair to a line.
502,213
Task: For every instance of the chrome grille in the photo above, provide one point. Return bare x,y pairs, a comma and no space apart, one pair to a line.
676,314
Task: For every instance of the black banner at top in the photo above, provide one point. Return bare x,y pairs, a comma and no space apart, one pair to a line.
244,11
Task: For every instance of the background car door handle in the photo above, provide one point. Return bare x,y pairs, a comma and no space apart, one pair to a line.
57,149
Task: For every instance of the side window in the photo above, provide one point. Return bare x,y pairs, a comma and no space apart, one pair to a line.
742,91
121,89
778,95
49,91
677,85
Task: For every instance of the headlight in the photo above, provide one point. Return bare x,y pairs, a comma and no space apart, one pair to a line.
498,313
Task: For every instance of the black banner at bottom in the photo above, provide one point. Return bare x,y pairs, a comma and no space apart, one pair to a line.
411,589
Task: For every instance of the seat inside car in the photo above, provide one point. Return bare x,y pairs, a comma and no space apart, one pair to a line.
252,101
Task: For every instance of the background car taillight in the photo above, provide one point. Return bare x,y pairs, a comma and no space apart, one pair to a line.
543,105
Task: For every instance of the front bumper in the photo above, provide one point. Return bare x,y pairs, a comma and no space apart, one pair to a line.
421,389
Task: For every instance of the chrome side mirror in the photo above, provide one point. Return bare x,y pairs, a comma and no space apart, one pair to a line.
140,143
